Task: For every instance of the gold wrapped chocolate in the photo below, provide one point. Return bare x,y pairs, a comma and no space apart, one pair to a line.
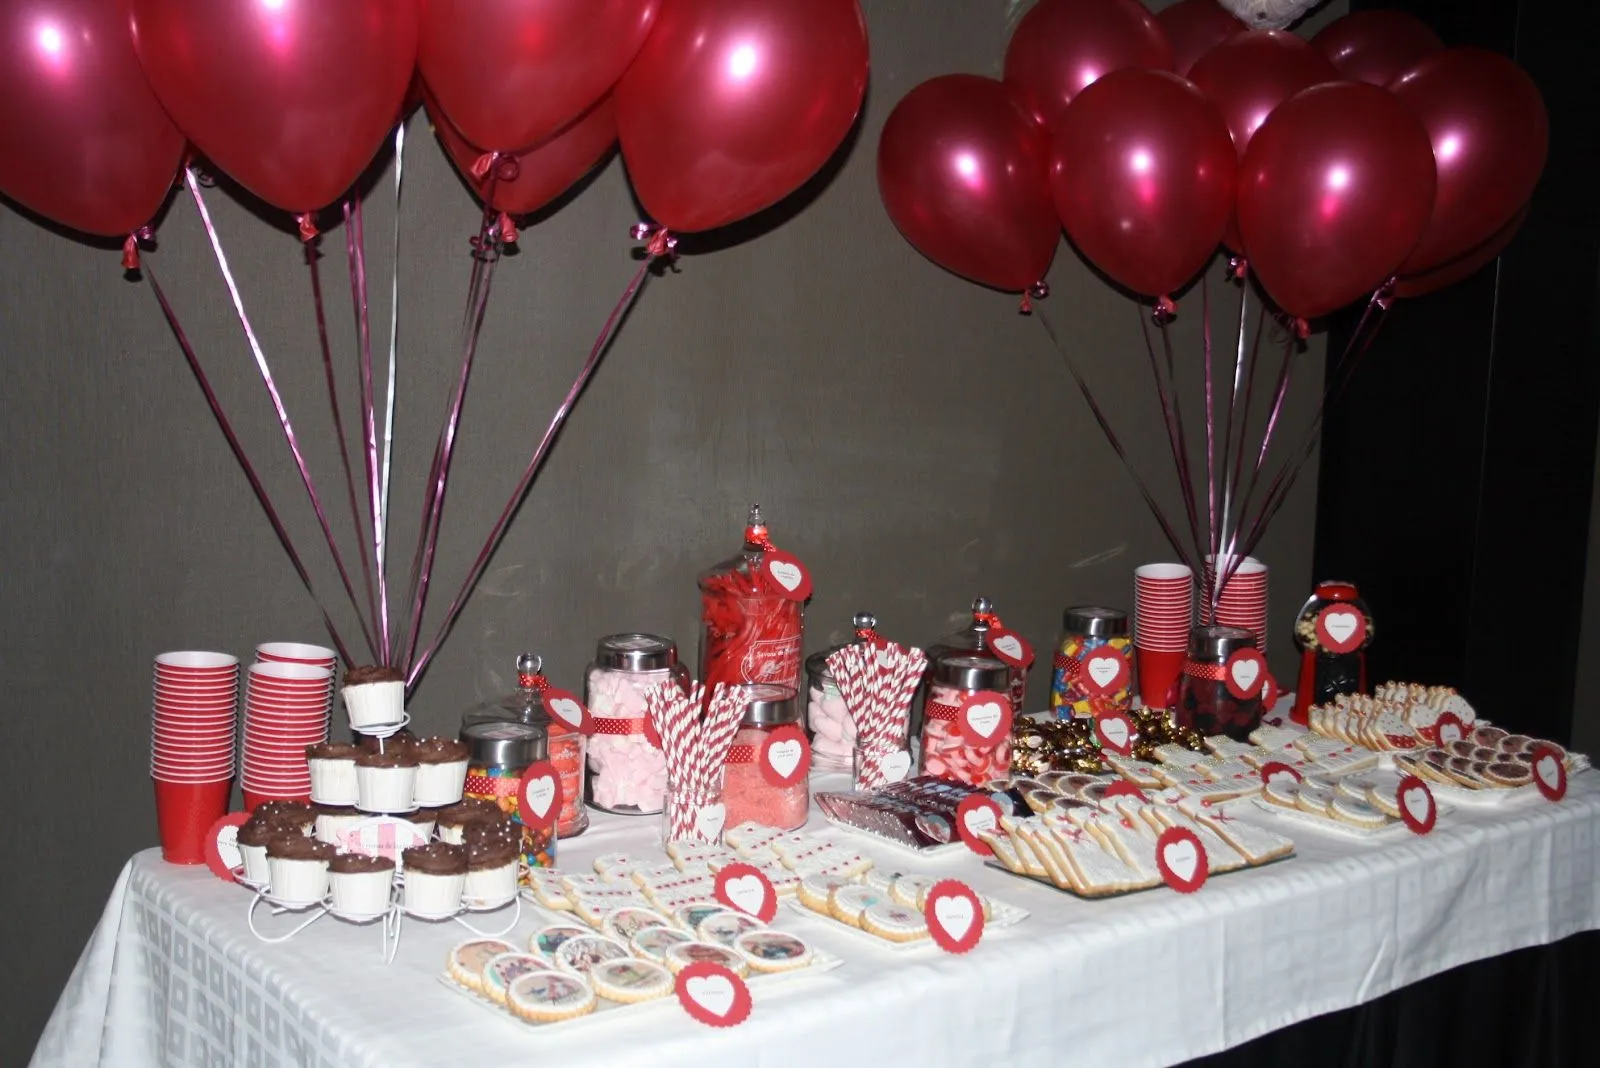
1055,745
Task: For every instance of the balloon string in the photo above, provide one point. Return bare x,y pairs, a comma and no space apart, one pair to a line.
1174,431
312,258
1220,534
243,460
486,254
1211,418
277,401
602,344
1230,530
1116,445
380,537
355,236
1225,569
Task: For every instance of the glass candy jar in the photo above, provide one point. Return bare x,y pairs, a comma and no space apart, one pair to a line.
747,794
627,770
974,639
1206,704
1073,693
565,747
750,633
946,751
498,752
1332,632
832,727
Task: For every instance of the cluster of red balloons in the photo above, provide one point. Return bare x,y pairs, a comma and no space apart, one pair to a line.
1369,153
723,107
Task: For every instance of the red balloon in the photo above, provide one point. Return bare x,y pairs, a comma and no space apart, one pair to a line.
965,176
1062,46
1376,46
1333,193
1195,27
1490,137
82,138
1463,266
510,73
733,104
541,174
290,97
1143,174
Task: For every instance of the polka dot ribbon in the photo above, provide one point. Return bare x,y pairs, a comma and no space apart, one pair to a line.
492,786
1196,670
1071,665
742,754
935,710
622,726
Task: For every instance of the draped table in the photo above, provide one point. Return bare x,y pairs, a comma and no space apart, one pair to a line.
172,974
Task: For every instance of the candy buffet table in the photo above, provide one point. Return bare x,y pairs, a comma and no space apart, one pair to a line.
172,975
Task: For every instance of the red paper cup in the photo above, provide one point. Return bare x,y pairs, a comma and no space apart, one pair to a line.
196,663
1158,670
184,812
295,653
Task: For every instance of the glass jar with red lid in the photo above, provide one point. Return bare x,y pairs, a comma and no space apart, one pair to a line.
751,633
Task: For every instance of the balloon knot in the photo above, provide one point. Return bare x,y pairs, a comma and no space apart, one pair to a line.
308,226
1238,267
1302,329
481,165
1384,294
130,252
1165,310
658,240
1038,291
508,229
1025,305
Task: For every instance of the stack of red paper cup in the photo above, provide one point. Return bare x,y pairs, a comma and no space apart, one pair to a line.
298,653
1244,599
191,747
286,709
1163,612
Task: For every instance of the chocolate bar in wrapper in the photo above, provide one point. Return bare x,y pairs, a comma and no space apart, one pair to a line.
917,812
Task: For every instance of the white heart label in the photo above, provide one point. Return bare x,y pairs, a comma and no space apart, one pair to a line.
979,821
789,577
712,993
568,710
784,757
1181,860
1549,773
1008,645
1103,669
1548,769
1341,625
985,718
786,575
1114,729
1449,728
1245,673
954,915
1417,809
977,814
540,795
896,766
1340,629
746,893
708,822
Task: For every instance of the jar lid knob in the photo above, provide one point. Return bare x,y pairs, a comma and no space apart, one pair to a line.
865,621
529,664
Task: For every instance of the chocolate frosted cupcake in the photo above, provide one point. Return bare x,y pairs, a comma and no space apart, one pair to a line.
451,821
441,771
435,876
384,781
290,813
374,696
491,868
299,868
360,884
254,834
334,820
399,741
333,772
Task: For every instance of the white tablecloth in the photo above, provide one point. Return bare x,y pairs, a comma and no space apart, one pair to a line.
173,976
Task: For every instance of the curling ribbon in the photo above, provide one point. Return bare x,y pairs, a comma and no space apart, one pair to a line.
481,165
868,635
308,226
1302,329
1165,310
1238,267
988,619
658,240
534,681
1038,291
1384,294
508,230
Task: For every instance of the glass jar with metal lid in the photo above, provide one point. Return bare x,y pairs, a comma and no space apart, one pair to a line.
749,791
948,750
565,745
1213,698
974,638
627,770
498,752
1075,693
832,727
750,632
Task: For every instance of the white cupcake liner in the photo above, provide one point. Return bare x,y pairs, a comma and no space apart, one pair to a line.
333,782
492,884
455,835
375,704
331,829
423,824
361,893
298,881
440,784
427,894
385,789
255,863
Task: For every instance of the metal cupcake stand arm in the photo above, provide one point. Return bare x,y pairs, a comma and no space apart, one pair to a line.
391,919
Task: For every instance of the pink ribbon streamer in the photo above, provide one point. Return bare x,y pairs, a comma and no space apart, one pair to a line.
356,254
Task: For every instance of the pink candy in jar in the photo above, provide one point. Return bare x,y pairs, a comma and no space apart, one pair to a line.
747,794
946,751
833,729
627,771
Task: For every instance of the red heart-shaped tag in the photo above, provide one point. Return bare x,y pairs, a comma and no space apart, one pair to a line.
1010,648
985,718
1269,693
955,916
1417,808
1448,728
1122,788
713,994
785,757
1181,859
976,814
566,710
1276,770
222,846
1549,773
1341,628
745,888
785,575
1116,732
1245,673
1103,671
539,795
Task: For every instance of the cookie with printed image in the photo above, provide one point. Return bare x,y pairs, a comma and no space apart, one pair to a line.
549,996
629,980
467,959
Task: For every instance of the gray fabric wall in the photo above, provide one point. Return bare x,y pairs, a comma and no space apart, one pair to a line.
910,436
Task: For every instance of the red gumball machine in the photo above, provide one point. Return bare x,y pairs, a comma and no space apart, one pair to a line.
1332,631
